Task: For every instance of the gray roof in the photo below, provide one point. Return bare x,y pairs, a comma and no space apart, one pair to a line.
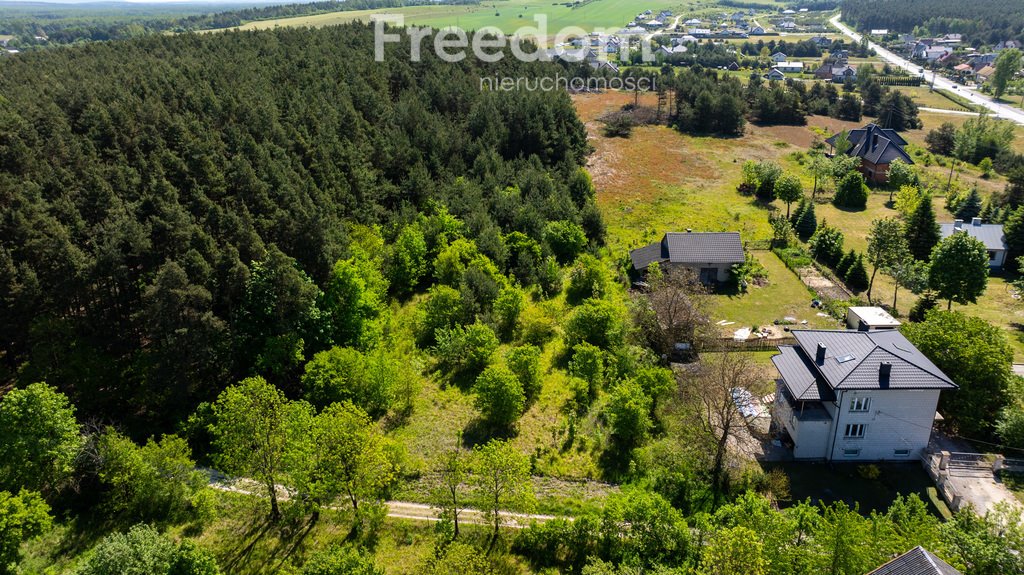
800,376
852,361
917,561
990,234
876,145
696,248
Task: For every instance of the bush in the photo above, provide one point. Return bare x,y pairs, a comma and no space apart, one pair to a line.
22,517
857,276
852,193
144,551
442,309
465,349
587,279
500,397
507,309
567,240
587,363
337,560
827,245
808,222
597,322
524,361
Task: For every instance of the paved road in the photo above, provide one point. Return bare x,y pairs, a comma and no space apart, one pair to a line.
998,110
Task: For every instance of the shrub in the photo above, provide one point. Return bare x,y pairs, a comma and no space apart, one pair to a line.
500,397
587,279
524,361
587,363
827,245
566,240
852,193
597,322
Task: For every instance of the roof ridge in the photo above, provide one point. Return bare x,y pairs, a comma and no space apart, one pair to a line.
859,363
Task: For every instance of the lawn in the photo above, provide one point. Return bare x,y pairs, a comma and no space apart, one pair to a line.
854,484
1015,483
785,295
923,96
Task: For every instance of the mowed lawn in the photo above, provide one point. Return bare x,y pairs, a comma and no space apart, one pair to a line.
506,15
784,296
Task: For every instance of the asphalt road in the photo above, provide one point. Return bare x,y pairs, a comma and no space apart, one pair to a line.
998,110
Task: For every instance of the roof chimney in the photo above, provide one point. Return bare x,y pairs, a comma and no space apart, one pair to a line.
884,370
689,231
958,224
820,355
975,221
874,138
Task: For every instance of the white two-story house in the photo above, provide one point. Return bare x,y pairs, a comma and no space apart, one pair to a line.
856,395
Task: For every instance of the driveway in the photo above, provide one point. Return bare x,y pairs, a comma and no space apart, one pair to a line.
978,487
998,110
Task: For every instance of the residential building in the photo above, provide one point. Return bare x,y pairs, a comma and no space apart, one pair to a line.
822,41
984,73
877,148
838,73
989,234
917,561
880,32
775,74
856,395
790,67
1007,45
870,319
710,254
757,31
779,57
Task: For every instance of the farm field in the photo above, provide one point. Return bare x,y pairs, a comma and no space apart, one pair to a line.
507,15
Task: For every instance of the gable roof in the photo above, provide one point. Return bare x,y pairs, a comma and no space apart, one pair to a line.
989,234
853,360
917,561
691,248
876,145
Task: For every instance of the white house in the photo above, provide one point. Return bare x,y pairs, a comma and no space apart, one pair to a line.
779,57
880,32
863,318
791,67
856,395
989,234
710,254
775,74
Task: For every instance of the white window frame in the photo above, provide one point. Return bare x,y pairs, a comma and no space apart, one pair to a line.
855,431
860,404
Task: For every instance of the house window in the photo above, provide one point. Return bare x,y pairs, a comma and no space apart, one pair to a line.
860,404
851,452
901,452
991,256
854,430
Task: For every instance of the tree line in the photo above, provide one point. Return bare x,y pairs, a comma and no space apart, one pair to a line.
986,22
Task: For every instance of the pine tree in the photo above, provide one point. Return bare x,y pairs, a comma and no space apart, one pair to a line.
845,263
807,223
857,277
795,216
971,207
922,231
1013,230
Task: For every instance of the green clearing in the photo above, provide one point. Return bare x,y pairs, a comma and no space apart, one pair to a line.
506,15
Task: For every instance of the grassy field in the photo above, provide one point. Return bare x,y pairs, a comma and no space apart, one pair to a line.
507,15
659,180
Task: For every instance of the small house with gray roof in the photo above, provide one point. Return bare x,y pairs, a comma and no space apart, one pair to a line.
710,254
917,561
877,148
989,234
856,396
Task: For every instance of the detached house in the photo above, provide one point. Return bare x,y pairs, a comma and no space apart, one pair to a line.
877,148
710,254
856,395
989,234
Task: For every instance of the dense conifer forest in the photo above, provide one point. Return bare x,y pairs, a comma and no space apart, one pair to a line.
984,21
172,207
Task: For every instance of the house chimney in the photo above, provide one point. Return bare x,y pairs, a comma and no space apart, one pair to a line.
689,230
958,225
820,356
975,221
874,139
884,370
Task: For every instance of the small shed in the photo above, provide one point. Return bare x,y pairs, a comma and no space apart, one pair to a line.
870,319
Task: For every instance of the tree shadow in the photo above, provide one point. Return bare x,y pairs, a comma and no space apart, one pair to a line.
245,547
479,432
